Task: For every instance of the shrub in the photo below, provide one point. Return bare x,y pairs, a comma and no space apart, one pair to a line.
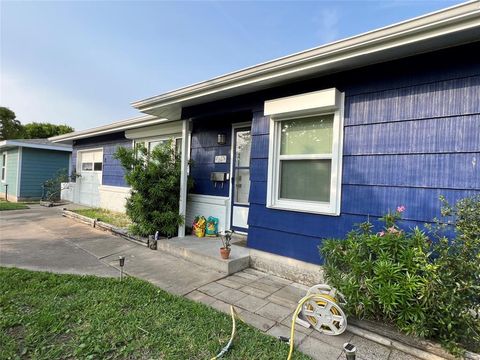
453,291
155,181
429,289
52,187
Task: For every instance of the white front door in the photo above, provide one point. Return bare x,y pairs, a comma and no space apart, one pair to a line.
90,165
242,143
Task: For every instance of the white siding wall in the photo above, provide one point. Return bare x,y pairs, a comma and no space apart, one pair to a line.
207,205
110,197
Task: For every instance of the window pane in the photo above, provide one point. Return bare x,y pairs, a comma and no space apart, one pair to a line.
3,173
178,146
153,144
242,186
87,166
4,160
305,180
242,148
311,135
97,166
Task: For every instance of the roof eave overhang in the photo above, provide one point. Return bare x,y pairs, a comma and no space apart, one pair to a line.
450,27
109,129
10,144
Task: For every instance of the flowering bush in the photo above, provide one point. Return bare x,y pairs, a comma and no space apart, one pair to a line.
429,289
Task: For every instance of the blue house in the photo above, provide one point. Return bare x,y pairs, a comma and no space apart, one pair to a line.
301,148
27,164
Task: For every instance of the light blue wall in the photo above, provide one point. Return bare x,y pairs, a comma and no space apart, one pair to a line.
11,175
39,165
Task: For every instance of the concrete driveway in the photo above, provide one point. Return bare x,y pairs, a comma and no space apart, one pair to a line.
41,239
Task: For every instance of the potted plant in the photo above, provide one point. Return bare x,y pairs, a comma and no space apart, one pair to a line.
226,242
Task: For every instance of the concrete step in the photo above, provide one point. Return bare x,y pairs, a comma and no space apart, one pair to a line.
206,252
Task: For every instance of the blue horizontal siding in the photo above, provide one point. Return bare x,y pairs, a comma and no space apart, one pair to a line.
440,99
204,148
440,135
258,169
112,173
422,203
38,166
260,146
260,124
206,155
418,170
285,244
411,134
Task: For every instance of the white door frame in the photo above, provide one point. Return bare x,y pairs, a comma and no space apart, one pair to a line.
232,153
79,170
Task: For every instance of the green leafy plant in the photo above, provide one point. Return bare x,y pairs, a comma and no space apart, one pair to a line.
52,187
428,289
155,181
453,292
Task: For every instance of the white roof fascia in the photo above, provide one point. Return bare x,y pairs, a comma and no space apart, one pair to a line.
13,143
110,128
443,22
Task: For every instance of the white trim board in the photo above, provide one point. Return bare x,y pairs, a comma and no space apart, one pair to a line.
232,153
13,143
19,171
6,166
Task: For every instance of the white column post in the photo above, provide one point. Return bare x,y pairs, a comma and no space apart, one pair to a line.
184,174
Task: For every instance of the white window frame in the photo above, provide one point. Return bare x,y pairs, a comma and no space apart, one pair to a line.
79,161
320,103
146,141
4,167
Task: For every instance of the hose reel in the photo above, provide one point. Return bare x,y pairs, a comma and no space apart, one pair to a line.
320,309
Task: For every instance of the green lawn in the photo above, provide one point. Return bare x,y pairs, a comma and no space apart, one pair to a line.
50,316
117,219
4,205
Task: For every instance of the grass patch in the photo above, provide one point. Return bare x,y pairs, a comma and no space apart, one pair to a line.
6,205
117,219
51,316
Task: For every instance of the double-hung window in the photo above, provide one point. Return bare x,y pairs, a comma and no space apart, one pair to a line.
305,152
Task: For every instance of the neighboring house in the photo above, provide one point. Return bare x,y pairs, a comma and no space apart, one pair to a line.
27,164
325,138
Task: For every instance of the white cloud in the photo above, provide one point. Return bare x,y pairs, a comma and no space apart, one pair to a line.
327,23
38,102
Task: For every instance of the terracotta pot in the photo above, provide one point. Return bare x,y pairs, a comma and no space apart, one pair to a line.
225,253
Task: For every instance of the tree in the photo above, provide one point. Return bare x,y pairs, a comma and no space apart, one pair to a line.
10,127
155,182
36,130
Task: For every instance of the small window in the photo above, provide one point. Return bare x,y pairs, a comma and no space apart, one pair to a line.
87,166
97,166
4,166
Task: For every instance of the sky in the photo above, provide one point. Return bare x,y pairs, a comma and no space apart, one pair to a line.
82,63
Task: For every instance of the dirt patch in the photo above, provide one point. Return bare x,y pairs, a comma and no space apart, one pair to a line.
16,331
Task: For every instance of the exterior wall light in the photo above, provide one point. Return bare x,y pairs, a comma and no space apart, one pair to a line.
221,139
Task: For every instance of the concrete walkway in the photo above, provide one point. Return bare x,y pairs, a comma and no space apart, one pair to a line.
41,239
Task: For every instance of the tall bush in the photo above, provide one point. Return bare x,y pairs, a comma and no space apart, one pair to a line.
426,288
453,291
155,182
